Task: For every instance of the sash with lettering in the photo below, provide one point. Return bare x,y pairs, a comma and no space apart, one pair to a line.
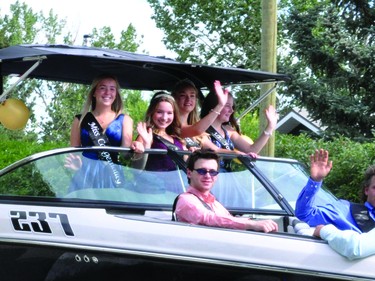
98,138
191,143
223,142
213,133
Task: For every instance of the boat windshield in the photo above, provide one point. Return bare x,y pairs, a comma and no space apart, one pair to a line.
123,177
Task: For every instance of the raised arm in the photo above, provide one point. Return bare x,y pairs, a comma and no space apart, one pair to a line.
144,134
201,126
314,209
243,144
320,165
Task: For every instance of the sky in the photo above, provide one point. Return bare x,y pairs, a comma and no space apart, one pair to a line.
82,16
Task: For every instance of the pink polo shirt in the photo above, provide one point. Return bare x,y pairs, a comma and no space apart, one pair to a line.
191,210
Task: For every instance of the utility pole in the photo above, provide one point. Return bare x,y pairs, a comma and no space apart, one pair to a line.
268,63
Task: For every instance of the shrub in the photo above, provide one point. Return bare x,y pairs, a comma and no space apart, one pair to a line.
16,149
350,160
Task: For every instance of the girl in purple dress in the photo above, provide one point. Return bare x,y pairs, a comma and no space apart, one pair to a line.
161,130
162,126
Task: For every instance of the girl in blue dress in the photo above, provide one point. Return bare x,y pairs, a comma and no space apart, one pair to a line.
101,123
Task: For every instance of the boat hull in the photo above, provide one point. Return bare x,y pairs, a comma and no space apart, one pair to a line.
35,263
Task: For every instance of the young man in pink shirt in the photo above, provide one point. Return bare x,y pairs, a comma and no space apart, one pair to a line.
199,206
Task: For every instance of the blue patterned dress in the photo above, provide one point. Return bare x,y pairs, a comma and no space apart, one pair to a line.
224,164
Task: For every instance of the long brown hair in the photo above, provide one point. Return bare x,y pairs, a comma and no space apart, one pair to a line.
211,101
174,129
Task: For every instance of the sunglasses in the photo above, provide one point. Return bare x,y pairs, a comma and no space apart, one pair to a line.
203,172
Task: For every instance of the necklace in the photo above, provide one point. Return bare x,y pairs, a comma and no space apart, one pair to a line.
103,119
164,135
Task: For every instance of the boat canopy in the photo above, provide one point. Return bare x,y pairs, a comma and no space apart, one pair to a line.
80,64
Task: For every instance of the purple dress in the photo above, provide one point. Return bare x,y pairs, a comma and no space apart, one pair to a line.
162,162
163,169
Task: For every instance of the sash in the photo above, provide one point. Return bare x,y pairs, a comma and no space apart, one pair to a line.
191,143
97,136
172,148
167,143
218,137
362,217
223,142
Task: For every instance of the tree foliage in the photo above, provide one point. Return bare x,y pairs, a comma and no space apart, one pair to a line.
221,32
18,27
53,105
326,45
332,43
350,161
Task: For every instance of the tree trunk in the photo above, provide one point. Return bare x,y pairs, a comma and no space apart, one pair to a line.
268,63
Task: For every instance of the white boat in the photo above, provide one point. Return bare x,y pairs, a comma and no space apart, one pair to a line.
57,225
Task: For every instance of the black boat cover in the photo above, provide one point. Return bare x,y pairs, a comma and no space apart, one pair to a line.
79,64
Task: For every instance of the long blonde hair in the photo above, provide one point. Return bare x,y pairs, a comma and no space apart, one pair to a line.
180,87
90,104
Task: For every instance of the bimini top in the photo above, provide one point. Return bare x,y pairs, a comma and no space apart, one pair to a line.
80,64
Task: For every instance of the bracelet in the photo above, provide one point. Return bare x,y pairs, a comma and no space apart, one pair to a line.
218,113
267,133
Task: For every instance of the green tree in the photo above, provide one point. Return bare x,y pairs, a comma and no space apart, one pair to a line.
18,27
23,26
221,32
326,45
136,106
58,102
332,62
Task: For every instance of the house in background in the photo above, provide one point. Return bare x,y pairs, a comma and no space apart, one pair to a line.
297,121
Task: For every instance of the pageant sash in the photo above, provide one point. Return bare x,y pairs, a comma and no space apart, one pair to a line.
223,142
167,143
218,137
191,143
98,138
172,148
